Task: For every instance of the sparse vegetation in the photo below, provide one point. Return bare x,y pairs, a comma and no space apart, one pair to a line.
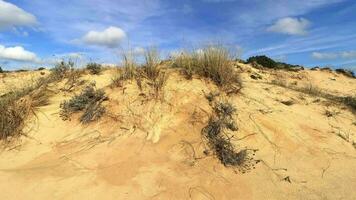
312,90
89,101
94,68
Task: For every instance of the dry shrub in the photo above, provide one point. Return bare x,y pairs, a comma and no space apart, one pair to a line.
89,100
219,142
73,80
61,70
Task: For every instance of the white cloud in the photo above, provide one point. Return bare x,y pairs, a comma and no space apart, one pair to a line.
334,55
110,37
12,16
17,53
290,26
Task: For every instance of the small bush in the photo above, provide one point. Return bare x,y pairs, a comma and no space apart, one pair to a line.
40,68
1,70
94,68
90,101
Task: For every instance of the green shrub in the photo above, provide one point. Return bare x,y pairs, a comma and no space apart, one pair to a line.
264,61
267,62
1,70
89,100
94,68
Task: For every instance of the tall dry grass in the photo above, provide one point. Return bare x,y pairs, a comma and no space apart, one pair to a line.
213,62
16,106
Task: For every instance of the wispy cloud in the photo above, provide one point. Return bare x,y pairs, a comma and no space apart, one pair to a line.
334,55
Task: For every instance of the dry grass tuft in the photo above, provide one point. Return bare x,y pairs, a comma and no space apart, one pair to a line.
128,71
149,72
213,62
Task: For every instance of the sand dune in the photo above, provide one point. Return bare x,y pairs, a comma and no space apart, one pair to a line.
153,149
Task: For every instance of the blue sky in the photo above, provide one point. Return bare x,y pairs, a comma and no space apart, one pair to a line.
307,32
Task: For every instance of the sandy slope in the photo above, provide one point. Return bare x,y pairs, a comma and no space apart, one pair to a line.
148,149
